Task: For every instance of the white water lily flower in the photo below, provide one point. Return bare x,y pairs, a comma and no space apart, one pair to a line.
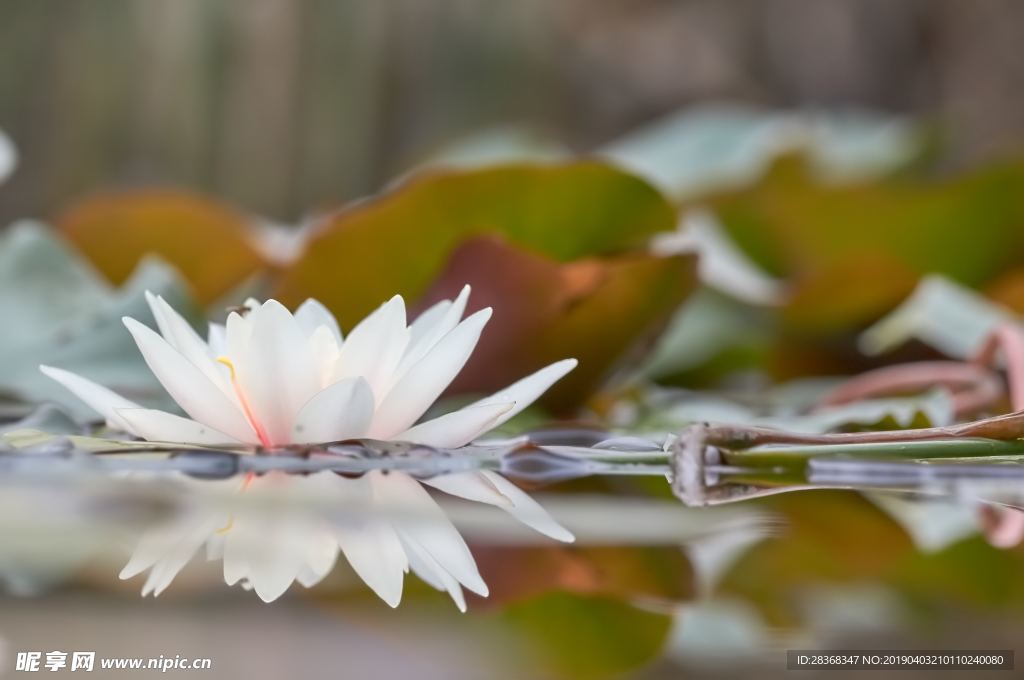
270,378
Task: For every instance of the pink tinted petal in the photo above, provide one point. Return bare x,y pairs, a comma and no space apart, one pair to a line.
275,373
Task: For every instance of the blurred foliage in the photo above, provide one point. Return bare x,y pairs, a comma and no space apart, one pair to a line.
593,309
209,243
399,242
659,574
833,537
838,539
578,636
852,252
61,312
848,254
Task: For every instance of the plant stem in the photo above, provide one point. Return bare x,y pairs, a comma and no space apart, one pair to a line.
797,456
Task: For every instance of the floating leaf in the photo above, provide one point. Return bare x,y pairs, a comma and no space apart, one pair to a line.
969,572
60,312
588,636
496,146
650,573
672,413
941,313
710,328
716,146
594,309
721,265
831,537
209,243
853,252
42,284
933,523
400,241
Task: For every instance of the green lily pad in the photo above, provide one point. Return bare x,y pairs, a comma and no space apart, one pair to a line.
588,637
400,241
60,312
208,242
853,252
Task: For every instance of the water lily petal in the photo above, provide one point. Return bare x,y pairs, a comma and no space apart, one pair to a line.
158,426
166,550
324,350
216,339
427,379
235,561
311,315
526,391
215,546
189,386
368,542
375,346
321,556
485,486
340,411
431,332
180,335
427,568
274,373
457,428
268,551
99,398
237,334
525,509
152,546
418,518
426,320
376,555
469,485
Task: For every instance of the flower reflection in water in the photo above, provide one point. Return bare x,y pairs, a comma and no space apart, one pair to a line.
271,379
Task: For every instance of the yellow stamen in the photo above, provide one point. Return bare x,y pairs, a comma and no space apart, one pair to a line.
230,364
260,432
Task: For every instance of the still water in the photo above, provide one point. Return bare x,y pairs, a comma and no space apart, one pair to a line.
712,564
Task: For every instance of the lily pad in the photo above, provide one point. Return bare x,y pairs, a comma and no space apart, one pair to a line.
400,241
716,146
597,310
651,573
588,636
208,242
853,252
60,312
